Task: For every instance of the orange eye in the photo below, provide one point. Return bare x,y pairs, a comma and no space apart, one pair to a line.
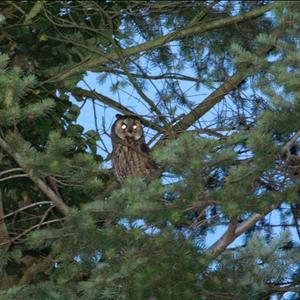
123,126
134,126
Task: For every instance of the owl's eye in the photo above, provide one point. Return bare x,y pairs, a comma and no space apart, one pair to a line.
123,126
134,126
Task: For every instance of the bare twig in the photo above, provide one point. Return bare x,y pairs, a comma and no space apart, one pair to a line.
24,208
25,232
152,105
10,171
13,176
79,92
45,215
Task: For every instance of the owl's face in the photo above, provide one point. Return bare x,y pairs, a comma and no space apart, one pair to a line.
128,128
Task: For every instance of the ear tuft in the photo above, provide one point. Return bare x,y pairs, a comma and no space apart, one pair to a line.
118,116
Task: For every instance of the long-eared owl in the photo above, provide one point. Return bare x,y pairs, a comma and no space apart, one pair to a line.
130,156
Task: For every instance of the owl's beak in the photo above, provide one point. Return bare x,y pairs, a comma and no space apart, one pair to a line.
129,134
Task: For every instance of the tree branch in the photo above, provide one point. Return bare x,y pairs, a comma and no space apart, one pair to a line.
25,232
10,171
229,236
96,61
168,75
13,176
152,105
48,192
230,84
79,92
24,208
4,236
220,245
284,289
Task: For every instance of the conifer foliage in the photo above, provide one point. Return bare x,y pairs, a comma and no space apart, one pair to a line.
216,84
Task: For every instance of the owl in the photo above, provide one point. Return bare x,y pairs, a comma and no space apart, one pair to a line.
130,156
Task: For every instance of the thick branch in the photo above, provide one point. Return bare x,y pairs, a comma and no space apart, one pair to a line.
246,225
220,245
49,193
229,236
284,289
94,62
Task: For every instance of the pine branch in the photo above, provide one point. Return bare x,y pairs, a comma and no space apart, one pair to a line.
94,62
229,236
48,192
229,85
4,244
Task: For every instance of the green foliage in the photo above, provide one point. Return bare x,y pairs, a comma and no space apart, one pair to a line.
150,239
130,264
247,270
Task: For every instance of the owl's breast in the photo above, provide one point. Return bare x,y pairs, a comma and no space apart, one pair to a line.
130,161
